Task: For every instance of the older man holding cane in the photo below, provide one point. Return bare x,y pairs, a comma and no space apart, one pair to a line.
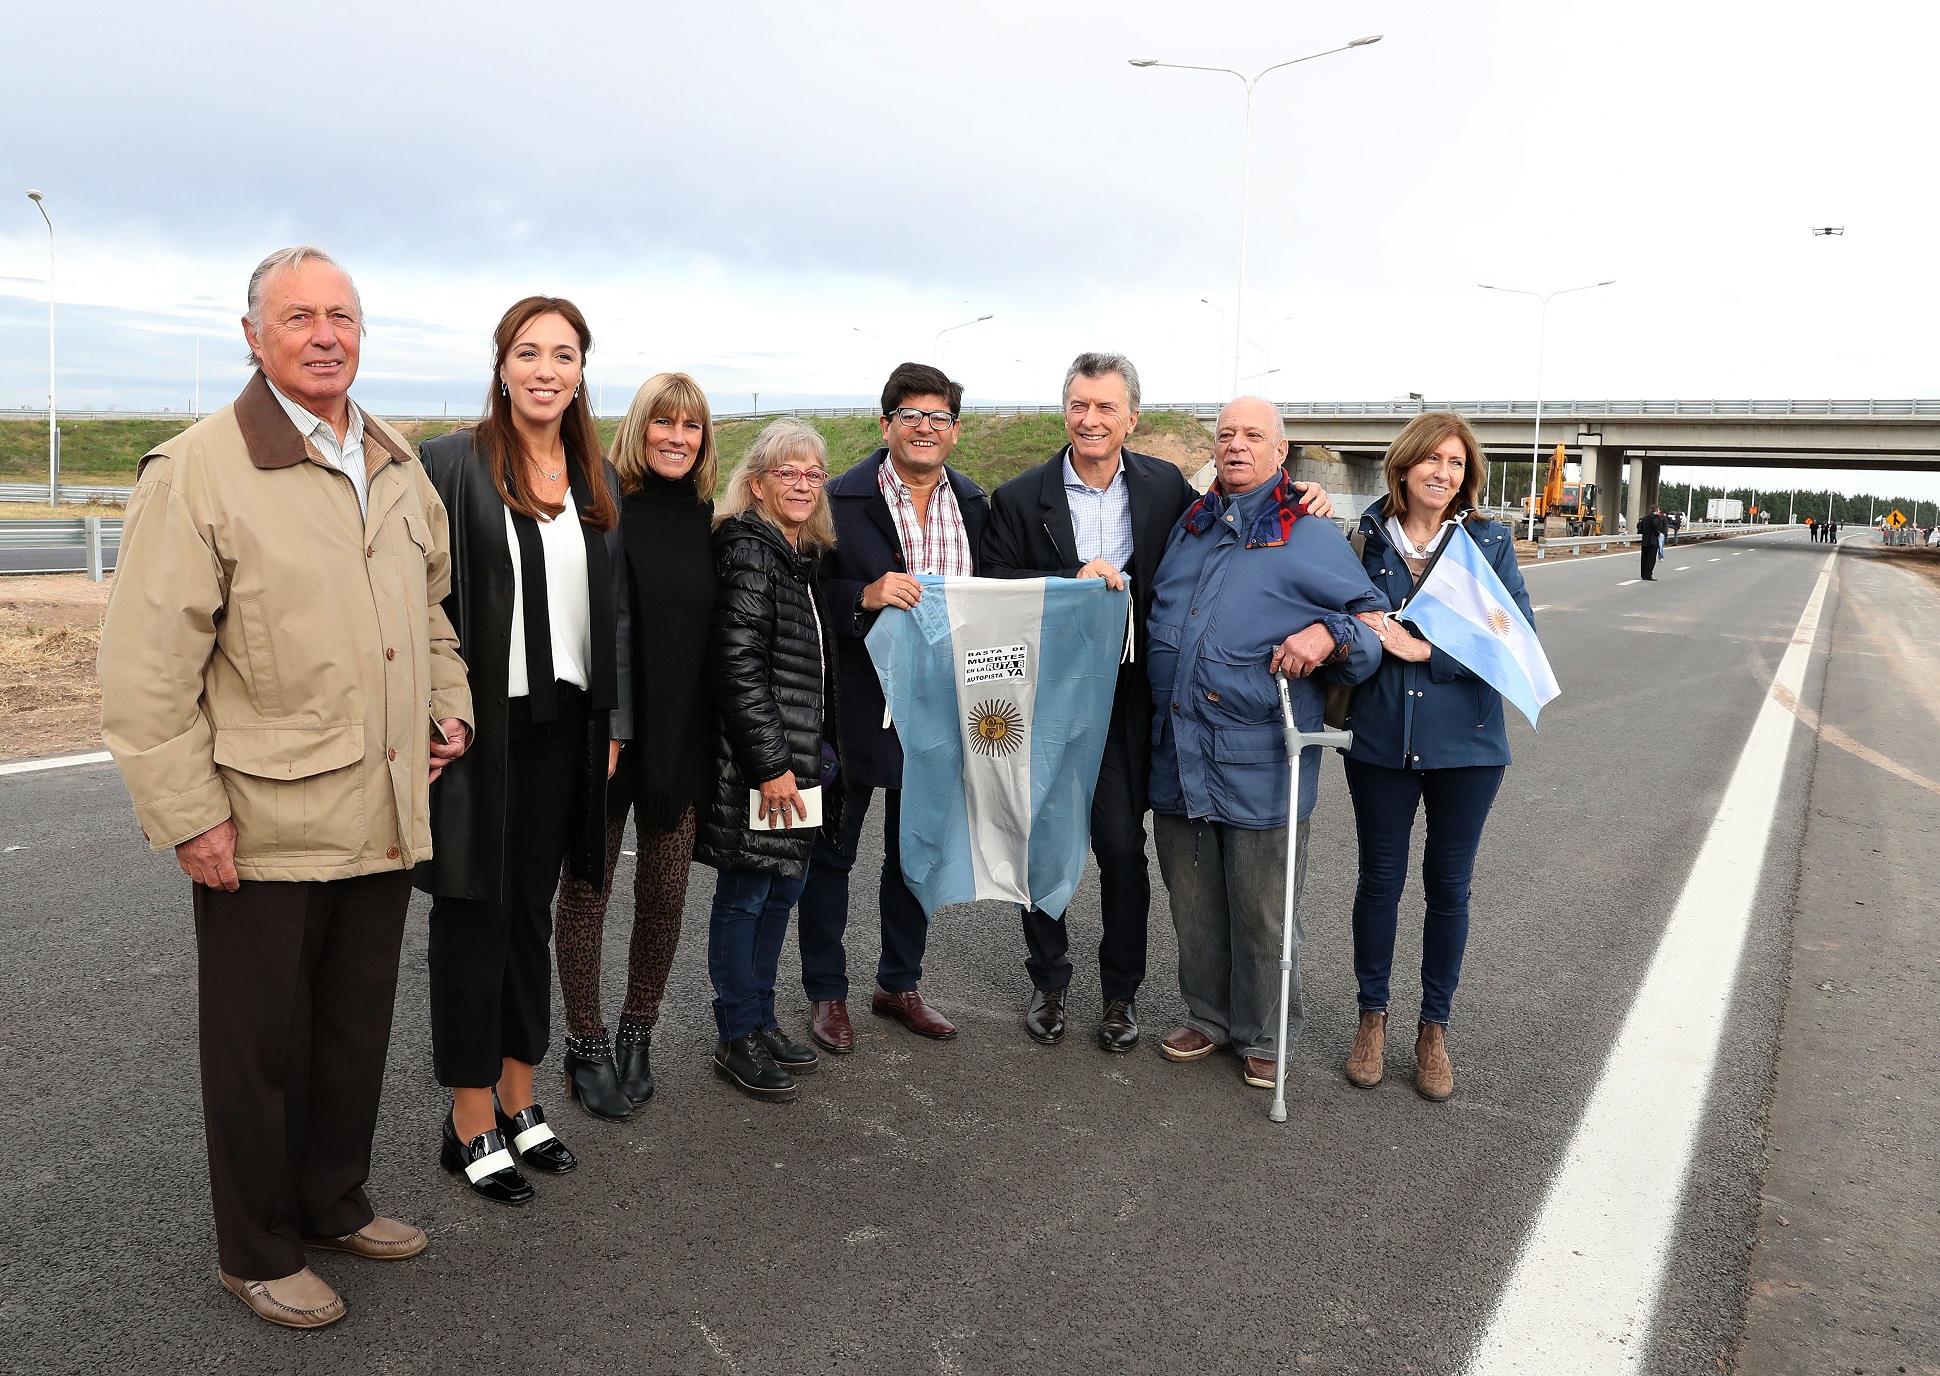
278,686
1251,587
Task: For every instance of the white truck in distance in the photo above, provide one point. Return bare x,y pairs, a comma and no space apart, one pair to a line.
1724,509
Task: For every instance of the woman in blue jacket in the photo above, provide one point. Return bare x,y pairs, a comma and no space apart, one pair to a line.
1428,734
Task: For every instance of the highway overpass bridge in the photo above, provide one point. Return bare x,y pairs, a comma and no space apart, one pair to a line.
1605,435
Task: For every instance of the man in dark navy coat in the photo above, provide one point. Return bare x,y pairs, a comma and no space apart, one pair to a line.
1098,510
900,512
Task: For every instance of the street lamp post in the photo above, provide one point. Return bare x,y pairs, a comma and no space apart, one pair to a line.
936,346
1246,162
1219,354
1542,341
53,416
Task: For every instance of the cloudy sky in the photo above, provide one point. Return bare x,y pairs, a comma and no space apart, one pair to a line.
787,198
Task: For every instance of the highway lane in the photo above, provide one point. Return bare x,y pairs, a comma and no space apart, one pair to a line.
987,1205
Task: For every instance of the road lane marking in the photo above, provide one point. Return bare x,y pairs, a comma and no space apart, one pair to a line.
55,762
1540,607
1716,558
1585,1286
1680,568
1628,581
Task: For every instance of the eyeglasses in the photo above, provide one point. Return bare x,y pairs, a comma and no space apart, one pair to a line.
795,477
911,417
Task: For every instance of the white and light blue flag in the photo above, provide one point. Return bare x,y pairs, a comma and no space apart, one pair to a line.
1000,691
1466,613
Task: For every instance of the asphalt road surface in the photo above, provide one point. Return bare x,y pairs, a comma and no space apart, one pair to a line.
993,1206
68,559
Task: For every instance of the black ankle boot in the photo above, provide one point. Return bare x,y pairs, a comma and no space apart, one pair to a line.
631,1051
746,1064
595,1080
791,1056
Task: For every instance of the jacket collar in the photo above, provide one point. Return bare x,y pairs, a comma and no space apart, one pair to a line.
274,443
752,525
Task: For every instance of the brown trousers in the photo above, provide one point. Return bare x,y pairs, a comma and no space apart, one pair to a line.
295,984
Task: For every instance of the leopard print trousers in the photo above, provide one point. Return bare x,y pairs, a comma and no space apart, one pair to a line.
659,897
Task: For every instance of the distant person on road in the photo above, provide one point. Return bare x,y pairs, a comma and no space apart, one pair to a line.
666,461
1650,531
1251,586
772,672
539,600
900,512
1098,509
1428,735
274,664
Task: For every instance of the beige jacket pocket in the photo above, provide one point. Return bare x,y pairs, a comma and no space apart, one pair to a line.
294,790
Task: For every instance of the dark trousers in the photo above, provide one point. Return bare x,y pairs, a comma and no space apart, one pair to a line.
491,960
745,933
1124,883
1385,803
1650,556
294,987
825,905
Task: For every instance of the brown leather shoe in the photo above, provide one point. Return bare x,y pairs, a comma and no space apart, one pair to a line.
381,1239
828,1024
1434,1076
1185,1044
910,1010
304,1300
1364,1061
1045,1018
1258,1071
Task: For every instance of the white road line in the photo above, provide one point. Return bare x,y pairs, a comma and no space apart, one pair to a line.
1585,1287
55,762
1716,558
1680,568
1628,581
1540,607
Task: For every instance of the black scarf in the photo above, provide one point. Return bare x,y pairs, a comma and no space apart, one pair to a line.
670,561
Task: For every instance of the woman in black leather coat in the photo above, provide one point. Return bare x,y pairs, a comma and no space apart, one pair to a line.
771,665
539,600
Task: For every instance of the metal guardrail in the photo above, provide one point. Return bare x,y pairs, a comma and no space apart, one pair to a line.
92,533
1578,544
71,495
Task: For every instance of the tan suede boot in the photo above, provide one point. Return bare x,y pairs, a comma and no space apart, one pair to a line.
1434,1076
1364,1060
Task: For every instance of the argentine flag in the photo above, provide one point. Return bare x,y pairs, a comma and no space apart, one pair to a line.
1466,613
1000,691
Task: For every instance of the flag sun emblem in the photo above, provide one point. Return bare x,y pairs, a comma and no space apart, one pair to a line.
996,728
1499,621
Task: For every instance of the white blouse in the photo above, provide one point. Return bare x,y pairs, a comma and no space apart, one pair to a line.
567,608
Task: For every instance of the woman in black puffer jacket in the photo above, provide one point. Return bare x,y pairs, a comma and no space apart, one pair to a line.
771,664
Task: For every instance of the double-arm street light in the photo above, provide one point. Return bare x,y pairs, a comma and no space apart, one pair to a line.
53,419
1246,163
936,348
1542,340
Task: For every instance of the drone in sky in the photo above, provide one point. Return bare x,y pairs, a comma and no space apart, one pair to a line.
1820,230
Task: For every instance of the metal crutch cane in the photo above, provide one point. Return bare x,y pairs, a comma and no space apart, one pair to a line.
1297,740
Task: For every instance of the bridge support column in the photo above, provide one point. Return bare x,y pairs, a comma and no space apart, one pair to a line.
1643,489
1604,467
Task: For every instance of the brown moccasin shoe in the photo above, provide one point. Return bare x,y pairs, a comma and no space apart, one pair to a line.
1185,1044
1258,1071
381,1239
1364,1060
1434,1076
304,1300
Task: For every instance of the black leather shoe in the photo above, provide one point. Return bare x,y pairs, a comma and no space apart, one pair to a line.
595,1080
533,1141
746,1064
792,1057
488,1167
1119,1029
631,1051
1045,1021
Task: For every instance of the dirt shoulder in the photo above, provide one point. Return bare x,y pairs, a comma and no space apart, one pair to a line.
50,628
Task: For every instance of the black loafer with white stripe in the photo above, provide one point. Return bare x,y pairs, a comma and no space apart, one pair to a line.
533,1140
487,1166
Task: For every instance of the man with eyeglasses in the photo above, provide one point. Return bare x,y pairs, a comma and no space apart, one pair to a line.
1099,510
900,512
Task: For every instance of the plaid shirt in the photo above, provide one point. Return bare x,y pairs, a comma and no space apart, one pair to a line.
940,545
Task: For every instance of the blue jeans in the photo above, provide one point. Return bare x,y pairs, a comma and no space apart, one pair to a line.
744,937
1385,803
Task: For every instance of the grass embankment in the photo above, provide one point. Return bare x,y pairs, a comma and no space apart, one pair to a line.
991,450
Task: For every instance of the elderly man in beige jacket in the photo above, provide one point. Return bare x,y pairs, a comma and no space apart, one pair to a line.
279,685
